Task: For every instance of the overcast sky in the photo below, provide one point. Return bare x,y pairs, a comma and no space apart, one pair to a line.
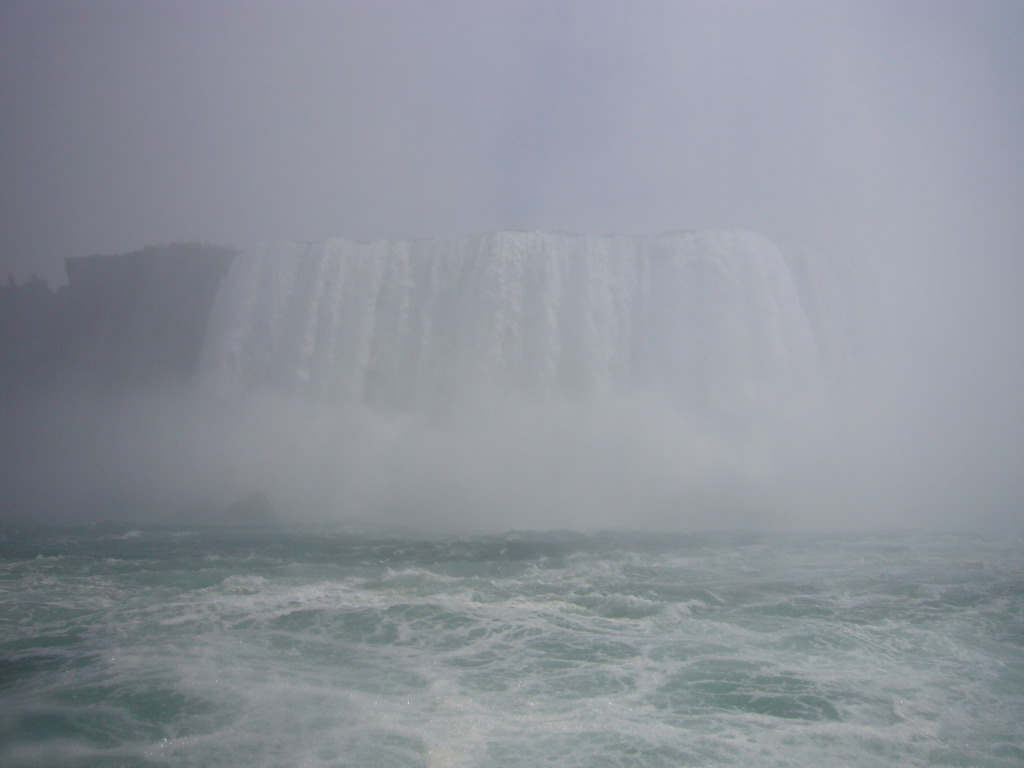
847,126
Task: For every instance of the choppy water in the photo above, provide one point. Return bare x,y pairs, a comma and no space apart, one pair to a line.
204,648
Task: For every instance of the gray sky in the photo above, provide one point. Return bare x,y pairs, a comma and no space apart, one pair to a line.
856,126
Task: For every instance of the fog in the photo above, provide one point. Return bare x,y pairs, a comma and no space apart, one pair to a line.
889,134
502,463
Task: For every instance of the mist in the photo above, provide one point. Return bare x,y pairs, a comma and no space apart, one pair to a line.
890,136
504,462
513,381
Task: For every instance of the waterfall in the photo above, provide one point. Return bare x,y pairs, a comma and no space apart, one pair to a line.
727,325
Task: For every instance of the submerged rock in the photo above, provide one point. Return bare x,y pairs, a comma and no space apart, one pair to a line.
254,509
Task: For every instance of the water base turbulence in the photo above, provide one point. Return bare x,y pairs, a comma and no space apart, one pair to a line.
201,647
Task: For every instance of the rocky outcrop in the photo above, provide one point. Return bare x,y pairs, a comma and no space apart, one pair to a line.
125,321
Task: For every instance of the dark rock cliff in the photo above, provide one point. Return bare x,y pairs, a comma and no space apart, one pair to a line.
124,321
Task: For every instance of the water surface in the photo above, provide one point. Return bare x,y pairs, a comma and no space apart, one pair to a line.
321,648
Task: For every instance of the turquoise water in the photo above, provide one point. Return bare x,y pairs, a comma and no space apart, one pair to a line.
313,648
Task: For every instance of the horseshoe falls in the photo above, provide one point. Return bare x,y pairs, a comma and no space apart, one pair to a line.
725,323
540,377
519,499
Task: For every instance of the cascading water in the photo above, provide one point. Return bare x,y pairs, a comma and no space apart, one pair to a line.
516,378
726,324
568,372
